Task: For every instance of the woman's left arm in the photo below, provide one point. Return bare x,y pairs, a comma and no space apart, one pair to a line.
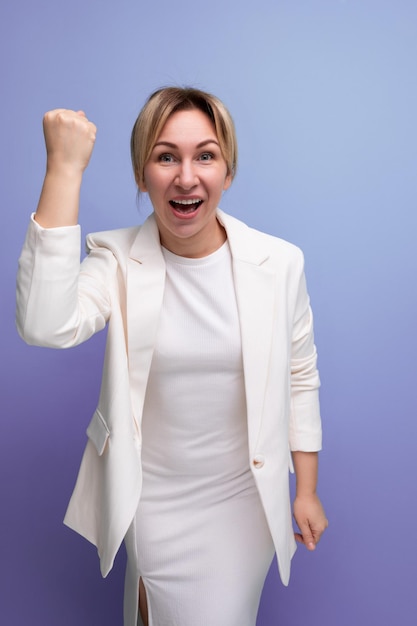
308,510
305,422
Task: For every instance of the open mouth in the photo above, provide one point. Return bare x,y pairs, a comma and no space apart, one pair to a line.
186,206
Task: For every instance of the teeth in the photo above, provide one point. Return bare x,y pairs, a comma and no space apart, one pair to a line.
186,202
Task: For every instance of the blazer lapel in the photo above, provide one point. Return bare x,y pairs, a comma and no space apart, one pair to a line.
255,294
145,290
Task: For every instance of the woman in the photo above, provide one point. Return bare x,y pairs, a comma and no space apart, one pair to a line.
209,380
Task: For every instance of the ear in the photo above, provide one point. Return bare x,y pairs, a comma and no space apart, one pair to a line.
227,181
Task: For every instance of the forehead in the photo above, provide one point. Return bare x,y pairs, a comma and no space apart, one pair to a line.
188,126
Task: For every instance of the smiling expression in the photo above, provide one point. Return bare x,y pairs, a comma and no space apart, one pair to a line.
185,177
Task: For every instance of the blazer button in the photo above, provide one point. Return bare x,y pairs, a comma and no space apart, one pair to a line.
259,461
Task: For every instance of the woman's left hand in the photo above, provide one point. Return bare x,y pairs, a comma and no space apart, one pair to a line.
311,520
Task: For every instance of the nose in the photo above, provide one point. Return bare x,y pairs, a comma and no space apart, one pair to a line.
186,176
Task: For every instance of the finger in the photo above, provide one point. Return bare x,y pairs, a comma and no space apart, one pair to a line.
91,126
81,113
318,533
299,537
308,537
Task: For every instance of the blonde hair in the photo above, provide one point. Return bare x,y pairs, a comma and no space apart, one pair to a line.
161,105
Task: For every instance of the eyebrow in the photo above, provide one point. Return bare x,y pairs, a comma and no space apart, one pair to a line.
168,144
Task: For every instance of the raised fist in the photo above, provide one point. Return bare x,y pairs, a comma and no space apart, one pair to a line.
69,139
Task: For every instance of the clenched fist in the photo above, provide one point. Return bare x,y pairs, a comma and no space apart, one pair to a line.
69,139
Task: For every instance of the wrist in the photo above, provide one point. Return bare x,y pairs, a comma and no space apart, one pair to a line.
305,492
68,173
306,472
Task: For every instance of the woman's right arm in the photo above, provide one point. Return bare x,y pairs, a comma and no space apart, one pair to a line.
57,306
69,140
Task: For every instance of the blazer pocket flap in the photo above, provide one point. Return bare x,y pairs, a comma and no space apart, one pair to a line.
98,432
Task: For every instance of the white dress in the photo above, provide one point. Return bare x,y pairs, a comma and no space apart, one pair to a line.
200,537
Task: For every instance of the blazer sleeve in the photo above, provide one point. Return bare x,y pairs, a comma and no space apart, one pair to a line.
305,431
60,303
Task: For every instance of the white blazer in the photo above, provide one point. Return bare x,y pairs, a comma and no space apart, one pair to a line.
121,283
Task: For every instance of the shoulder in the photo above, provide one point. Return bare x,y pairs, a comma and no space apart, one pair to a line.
136,241
249,240
108,250
115,240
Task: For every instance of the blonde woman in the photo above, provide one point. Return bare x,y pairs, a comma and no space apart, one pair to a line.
210,387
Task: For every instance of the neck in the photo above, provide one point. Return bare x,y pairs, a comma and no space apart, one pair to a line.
197,246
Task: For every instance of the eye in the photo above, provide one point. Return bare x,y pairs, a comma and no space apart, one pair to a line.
206,156
166,158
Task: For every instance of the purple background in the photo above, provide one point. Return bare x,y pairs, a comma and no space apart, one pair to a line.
324,97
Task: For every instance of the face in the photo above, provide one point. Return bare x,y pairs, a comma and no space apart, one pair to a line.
185,177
